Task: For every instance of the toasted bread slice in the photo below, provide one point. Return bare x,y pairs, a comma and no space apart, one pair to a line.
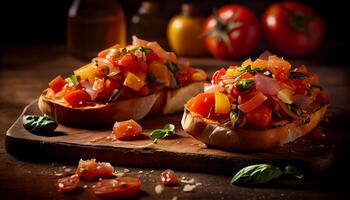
215,134
163,102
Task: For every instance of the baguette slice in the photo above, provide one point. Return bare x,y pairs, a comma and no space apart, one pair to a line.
217,135
163,102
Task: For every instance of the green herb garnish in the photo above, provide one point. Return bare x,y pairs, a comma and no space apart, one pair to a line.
293,172
294,109
245,84
150,78
122,52
162,133
256,174
114,96
74,79
262,173
172,67
297,75
39,124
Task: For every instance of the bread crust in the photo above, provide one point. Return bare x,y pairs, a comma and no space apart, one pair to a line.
217,135
163,102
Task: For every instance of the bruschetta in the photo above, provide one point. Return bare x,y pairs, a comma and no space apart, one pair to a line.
258,105
121,83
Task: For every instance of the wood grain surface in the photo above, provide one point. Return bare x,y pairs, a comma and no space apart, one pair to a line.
25,72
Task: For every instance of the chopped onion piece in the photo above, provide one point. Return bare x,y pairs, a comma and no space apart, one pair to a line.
302,101
267,85
213,88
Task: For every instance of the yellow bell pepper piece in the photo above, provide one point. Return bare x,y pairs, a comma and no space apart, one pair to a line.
134,82
89,72
259,63
231,72
161,72
222,103
199,75
247,62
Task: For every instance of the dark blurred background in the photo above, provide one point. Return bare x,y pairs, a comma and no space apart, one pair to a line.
38,22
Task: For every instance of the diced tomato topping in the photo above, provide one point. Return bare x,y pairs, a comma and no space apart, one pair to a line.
109,86
301,85
184,77
303,69
129,62
245,76
168,177
127,130
150,57
144,91
260,117
313,79
323,97
318,133
279,67
252,103
57,84
202,103
123,187
217,76
90,169
68,184
77,98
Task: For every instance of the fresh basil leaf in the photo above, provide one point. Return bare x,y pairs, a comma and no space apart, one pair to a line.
293,172
297,75
122,52
162,133
150,78
172,67
294,109
114,96
39,124
245,84
74,79
256,174
146,50
305,120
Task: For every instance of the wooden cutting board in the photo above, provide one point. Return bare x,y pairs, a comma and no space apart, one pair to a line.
180,151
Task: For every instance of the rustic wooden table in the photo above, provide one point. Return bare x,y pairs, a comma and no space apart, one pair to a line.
25,72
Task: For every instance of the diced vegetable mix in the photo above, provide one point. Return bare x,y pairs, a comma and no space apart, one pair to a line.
258,93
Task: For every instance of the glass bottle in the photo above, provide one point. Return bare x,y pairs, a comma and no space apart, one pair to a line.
94,25
148,23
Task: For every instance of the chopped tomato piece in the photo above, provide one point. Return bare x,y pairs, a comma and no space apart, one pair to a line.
202,103
90,169
129,62
150,57
117,188
313,79
109,86
184,77
127,130
318,133
301,85
323,97
77,98
168,177
303,69
279,67
260,117
144,91
252,103
217,76
68,184
57,84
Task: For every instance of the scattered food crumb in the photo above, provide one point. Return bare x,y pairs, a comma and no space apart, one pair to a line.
188,188
64,167
58,174
174,198
67,170
126,170
198,184
178,142
85,186
152,171
118,174
159,189
140,172
191,181
108,137
100,179
60,185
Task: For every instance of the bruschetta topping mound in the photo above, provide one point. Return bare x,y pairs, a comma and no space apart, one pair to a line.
124,72
260,94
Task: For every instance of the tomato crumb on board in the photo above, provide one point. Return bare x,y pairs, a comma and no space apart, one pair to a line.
127,130
123,187
168,177
90,169
318,133
68,184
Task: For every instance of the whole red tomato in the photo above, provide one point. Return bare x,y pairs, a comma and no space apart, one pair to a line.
232,32
293,28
